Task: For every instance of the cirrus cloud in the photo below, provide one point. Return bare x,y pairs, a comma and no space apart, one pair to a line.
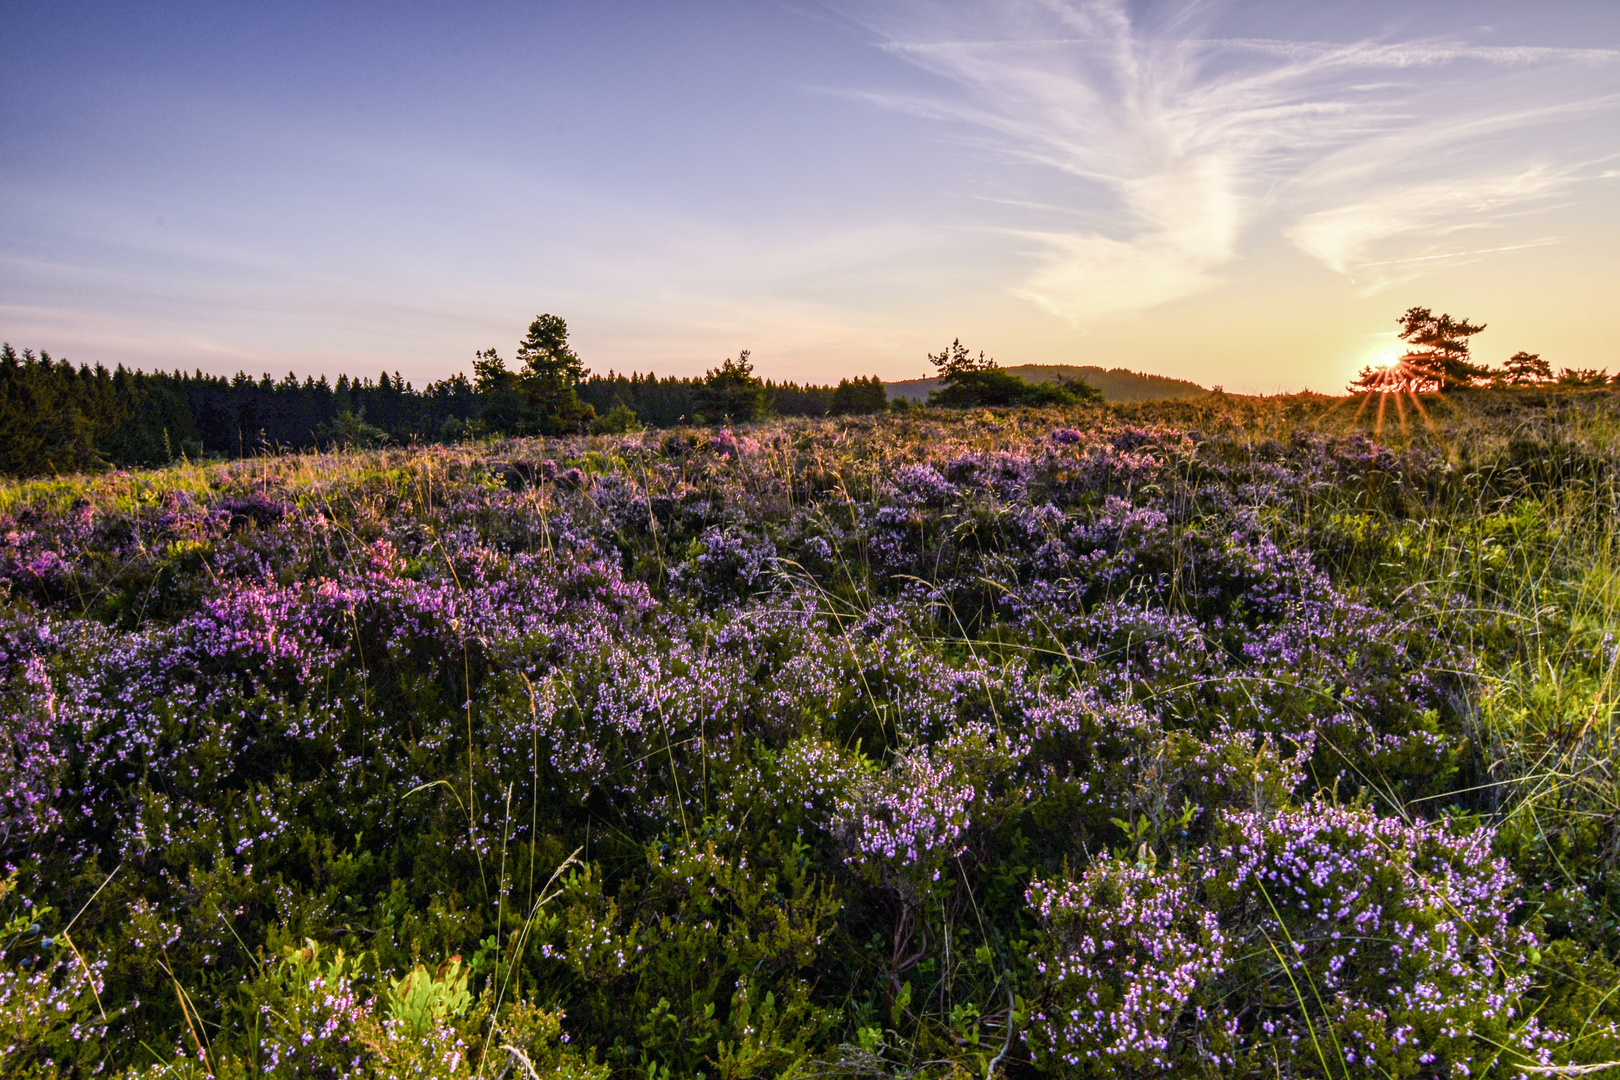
1382,160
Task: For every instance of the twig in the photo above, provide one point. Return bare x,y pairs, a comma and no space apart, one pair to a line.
93,896
1012,1007
514,1055
89,975
1568,1070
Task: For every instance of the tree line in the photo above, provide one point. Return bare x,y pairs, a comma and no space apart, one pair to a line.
55,417
1437,358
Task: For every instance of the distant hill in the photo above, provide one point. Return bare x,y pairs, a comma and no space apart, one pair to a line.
1116,384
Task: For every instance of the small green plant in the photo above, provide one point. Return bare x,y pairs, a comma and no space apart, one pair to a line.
619,420
423,1001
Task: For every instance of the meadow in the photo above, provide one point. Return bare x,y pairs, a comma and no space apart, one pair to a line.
1222,737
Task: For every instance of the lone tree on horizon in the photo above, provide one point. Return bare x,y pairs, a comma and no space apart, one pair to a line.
966,381
1436,358
541,396
956,360
550,366
732,392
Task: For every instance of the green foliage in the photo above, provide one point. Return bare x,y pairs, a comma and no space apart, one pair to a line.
549,376
309,1015
858,396
350,430
1583,377
51,415
976,382
456,429
51,1019
156,427
549,366
706,964
423,1001
620,420
731,392
1523,369
541,397
490,373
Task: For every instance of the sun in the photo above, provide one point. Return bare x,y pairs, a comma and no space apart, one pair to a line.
1386,378
1388,358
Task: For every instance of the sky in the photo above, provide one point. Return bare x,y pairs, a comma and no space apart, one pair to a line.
1244,194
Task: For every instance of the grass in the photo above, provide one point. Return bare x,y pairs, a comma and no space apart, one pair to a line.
1482,524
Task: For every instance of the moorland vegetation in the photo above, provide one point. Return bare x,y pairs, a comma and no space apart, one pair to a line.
1229,737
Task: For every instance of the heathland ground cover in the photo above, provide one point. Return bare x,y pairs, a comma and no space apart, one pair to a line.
1231,737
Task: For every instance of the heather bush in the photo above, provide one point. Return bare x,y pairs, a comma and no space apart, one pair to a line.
51,1015
1322,941
1124,961
309,1015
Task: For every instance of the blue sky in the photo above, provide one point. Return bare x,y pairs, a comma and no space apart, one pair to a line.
1244,194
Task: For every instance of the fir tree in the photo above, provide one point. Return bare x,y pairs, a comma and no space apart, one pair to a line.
731,392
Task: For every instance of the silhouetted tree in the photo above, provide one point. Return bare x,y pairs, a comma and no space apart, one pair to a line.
1523,368
551,370
1439,356
1583,377
858,396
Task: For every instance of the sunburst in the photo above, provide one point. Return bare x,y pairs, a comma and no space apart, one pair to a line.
1393,380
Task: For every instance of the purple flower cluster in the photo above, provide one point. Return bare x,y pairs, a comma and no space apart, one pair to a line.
1129,952
1293,924
905,822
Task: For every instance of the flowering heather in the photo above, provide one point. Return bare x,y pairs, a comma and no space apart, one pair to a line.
1131,951
1395,944
1170,741
908,821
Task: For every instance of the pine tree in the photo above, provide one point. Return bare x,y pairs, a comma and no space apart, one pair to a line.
966,381
550,374
1524,368
732,392
1439,357
490,373
549,365
956,360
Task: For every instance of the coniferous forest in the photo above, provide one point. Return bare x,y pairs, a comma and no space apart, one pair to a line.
56,417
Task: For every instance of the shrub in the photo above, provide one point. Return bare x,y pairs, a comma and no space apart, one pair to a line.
1322,941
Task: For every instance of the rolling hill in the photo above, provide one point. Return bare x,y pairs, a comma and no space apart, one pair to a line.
1116,384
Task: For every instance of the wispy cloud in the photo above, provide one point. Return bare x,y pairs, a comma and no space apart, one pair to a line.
1428,225
1180,144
